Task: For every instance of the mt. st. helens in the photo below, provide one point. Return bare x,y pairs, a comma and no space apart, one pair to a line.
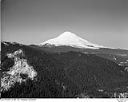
66,66
70,39
63,74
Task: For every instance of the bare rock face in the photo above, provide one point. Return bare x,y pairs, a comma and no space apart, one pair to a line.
19,72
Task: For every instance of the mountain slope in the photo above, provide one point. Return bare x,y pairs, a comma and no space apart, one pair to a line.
70,39
64,74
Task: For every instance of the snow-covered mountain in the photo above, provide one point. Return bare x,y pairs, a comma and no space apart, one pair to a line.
71,39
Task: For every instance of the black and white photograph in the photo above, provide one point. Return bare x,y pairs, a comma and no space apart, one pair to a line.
64,49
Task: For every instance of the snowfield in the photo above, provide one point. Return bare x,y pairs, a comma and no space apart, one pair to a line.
70,39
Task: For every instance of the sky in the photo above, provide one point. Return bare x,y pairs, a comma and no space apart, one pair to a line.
103,22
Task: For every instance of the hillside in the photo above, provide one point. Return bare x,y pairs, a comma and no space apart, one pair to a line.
59,74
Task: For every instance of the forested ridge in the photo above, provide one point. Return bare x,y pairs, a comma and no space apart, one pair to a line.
65,74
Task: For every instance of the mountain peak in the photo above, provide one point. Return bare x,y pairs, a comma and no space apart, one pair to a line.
67,32
67,35
70,39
